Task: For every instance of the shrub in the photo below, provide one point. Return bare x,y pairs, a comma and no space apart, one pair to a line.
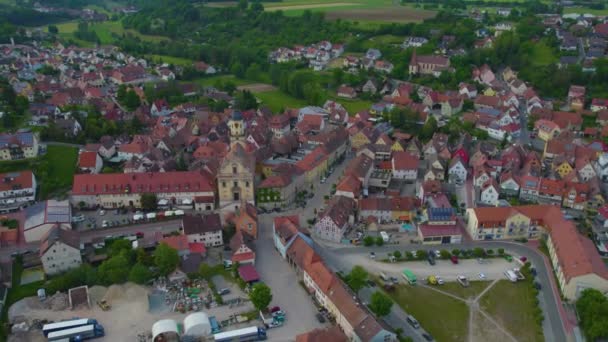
445,254
501,251
409,255
478,252
397,255
368,241
456,252
421,254
490,252
379,241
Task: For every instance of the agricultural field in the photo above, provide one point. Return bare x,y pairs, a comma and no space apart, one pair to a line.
368,12
104,30
169,59
277,100
585,10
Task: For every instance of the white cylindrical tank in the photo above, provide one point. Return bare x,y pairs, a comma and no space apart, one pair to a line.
197,324
165,330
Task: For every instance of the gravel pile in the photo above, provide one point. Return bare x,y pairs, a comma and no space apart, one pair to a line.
57,302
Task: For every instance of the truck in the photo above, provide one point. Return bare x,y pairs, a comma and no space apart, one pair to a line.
463,280
409,277
511,276
68,324
85,332
384,236
272,317
246,334
518,274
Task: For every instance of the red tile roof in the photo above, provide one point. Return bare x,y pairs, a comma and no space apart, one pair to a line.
150,182
405,161
197,247
15,180
177,242
333,334
248,273
87,160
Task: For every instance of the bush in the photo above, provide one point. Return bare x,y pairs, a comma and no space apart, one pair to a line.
445,254
421,254
409,255
501,251
490,252
478,252
379,241
456,252
368,241
397,255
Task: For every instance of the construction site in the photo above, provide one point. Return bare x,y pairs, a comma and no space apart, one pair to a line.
128,312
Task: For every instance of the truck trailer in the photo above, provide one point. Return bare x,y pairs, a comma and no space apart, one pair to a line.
85,332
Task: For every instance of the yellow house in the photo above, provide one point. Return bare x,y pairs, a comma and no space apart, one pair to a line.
397,147
359,139
564,169
489,92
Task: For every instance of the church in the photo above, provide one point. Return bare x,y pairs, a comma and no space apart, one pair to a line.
236,176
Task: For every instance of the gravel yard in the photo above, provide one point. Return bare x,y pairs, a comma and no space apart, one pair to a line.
128,301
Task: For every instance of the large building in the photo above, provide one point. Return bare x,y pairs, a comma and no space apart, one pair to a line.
236,179
41,217
428,64
17,189
115,190
575,259
60,250
21,145
206,229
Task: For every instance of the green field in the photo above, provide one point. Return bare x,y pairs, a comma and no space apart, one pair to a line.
513,305
368,13
212,81
169,59
584,10
61,165
443,317
277,100
105,31
352,106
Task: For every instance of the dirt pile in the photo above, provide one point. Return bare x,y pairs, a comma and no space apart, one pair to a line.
57,302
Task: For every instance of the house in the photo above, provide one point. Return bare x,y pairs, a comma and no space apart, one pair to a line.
335,219
242,248
333,334
346,92
284,231
387,209
509,185
42,216
89,162
160,107
116,190
576,97
457,170
414,42
467,90
547,129
60,250
574,258
442,227
246,220
404,166
484,75
489,193
204,228
598,105
370,86
21,145
428,64
179,243
373,54
17,189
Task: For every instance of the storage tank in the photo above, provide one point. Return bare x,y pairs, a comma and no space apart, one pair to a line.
197,324
165,330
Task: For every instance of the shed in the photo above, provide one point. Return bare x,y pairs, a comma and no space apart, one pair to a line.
197,325
165,330
249,274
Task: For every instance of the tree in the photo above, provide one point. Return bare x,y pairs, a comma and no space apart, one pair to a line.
114,270
165,258
148,201
592,308
53,29
132,100
379,241
380,304
501,251
356,278
478,252
421,254
397,255
445,254
243,4
260,296
368,241
140,274
456,252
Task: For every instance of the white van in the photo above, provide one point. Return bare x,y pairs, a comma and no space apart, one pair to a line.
511,276
384,277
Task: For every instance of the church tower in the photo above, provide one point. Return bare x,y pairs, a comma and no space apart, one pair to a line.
236,124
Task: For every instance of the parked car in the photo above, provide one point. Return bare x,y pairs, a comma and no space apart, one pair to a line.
437,253
537,285
102,212
523,259
482,276
427,336
413,322
105,224
454,259
78,218
371,283
431,259
275,309
320,318
394,280
372,255
224,291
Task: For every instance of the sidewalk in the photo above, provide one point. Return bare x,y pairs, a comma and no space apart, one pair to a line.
568,319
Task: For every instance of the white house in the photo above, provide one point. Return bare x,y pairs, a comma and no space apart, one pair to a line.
16,190
206,229
405,166
457,170
60,250
489,193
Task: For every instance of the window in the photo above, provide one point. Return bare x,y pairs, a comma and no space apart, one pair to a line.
235,184
246,184
234,169
223,184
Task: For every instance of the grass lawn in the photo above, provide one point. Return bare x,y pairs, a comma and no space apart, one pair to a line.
352,106
59,164
443,317
585,10
513,306
104,31
277,100
169,59
475,288
211,81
